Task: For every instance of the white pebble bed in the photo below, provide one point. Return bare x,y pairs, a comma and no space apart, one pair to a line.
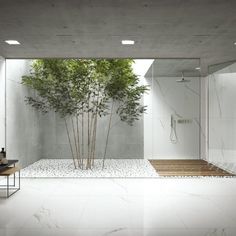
114,168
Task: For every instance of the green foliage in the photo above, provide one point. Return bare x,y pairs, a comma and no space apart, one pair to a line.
74,86
130,108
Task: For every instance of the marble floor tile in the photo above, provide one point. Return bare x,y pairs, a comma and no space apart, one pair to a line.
120,207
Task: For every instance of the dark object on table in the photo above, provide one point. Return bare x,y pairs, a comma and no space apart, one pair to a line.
3,159
3,153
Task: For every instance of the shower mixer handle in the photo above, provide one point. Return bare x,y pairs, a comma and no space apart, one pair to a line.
173,134
172,121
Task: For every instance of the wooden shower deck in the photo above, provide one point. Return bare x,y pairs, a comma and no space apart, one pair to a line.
187,168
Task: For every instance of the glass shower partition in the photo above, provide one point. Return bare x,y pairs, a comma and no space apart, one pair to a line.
172,120
222,116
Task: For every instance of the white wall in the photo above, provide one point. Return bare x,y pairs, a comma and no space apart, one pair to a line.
180,99
23,129
2,102
222,118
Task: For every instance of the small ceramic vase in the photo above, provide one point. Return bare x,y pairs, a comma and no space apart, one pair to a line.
4,161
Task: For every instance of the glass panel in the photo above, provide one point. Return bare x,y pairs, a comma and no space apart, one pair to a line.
171,125
222,116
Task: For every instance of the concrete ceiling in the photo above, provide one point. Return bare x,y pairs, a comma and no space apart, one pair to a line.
174,68
203,29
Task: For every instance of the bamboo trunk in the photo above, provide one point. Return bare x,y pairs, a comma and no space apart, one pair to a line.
88,166
82,140
78,140
94,140
68,135
108,133
90,137
75,140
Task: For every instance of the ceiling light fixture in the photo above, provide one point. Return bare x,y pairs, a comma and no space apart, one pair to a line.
128,42
12,42
234,43
197,68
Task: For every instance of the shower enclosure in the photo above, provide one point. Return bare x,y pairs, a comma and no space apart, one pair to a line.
172,121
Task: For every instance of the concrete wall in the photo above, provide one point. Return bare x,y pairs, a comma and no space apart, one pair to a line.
2,102
182,100
125,141
23,128
222,118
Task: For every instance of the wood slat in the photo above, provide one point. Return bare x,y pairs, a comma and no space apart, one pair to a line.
178,160
191,174
187,168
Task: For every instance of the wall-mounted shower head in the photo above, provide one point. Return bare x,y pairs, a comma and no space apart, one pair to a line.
183,80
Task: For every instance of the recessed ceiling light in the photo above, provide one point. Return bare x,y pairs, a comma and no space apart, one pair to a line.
197,68
234,43
12,42
128,42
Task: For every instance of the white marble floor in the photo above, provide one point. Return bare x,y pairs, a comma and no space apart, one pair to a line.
121,207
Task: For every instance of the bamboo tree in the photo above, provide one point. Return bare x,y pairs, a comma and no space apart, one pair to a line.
84,88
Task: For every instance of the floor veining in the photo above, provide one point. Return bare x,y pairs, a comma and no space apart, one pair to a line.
121,207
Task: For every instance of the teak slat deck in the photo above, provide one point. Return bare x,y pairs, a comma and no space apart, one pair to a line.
187,168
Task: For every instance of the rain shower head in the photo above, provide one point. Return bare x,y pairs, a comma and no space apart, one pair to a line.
182,80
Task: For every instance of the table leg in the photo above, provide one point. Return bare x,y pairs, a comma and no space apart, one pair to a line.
19,179
7,186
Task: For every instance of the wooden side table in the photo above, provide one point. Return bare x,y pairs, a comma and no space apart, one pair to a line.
8,170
